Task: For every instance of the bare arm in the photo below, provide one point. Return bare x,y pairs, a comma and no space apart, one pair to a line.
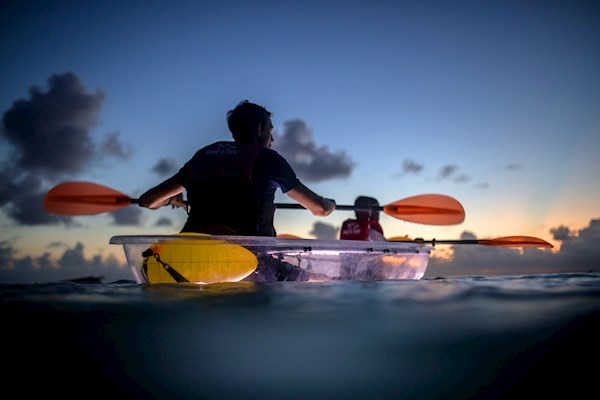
316,204
163,195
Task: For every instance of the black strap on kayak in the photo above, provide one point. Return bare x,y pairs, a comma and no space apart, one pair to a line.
174,274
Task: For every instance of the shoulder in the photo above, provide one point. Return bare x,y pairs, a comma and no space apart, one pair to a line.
202,150
218,144
218,148
264,152
271,156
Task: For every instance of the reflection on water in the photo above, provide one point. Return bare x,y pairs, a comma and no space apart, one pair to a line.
473,337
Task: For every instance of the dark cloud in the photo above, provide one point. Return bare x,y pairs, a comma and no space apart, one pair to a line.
561,233
579,252
29,211
112,146
127,216
411,167
51,131
324,231
165,166
462,178
451,172
72,264
50,139
582,245
513,166
311,163
7,253
447,171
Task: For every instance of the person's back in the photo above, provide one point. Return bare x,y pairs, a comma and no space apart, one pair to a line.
219,190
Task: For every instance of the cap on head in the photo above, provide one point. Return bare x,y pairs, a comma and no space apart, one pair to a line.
244,119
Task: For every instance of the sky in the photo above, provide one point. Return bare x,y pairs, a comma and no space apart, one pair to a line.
494,103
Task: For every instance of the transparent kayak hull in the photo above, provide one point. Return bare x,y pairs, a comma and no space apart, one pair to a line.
208,259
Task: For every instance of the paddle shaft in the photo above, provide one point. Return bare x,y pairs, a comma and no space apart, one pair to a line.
337,207
434,241
293,206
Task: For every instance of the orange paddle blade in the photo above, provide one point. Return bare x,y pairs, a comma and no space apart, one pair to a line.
83,198
430,209
516,241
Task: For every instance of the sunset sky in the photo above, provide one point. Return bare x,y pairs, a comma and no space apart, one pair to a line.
494,103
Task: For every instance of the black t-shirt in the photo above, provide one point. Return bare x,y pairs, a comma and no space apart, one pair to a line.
231,188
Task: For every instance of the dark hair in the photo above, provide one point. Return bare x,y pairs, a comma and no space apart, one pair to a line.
364,202
244,119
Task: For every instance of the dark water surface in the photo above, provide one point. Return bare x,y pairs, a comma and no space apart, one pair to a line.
455,338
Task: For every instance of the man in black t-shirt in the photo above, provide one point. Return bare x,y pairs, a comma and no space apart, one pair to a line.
231,185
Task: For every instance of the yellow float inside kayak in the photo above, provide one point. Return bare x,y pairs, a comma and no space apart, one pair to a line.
197,261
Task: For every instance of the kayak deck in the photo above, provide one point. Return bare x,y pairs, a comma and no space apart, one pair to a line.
198,258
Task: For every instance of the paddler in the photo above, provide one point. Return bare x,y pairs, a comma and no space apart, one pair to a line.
231,185
366,225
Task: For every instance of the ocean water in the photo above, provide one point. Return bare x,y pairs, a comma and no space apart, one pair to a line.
446,338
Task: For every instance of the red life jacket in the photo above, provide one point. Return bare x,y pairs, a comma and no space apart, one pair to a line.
353,229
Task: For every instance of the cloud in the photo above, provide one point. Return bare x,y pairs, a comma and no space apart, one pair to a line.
324,231
513,167
112,146
447,171
451,172
165,167
127,216
51,131
561,233
578,252
411,167
311,163
72,264
582,245
50,138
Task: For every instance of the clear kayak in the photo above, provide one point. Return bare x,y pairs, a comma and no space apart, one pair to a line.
201,259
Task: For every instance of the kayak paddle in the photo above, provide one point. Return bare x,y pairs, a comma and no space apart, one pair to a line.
427,209
507,241
86,198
